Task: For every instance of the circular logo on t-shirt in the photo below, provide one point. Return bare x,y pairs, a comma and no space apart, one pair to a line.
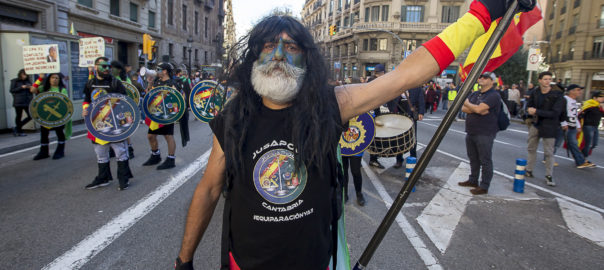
275,177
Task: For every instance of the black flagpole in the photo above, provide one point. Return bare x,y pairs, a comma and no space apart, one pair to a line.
437,138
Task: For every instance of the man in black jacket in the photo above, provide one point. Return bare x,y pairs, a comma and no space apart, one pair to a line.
545,106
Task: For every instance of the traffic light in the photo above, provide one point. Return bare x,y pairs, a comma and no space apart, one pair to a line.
148,44
331,30
335,30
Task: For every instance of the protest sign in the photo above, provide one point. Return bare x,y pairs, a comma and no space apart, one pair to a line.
90,49
41,59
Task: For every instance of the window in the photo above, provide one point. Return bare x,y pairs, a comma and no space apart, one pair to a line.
133,12
337,52
171,12
170,50
356,48
365,44
87,3
571,48
196,55
366,14
383,44
601,22
205,57
184,17
450,14
561,26
385,13
375,13
184,52
409,45
196,22
346,21
151,19
597,47
373,44
114,7
206,27
412,13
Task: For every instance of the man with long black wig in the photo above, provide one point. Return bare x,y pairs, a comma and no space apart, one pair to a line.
275,143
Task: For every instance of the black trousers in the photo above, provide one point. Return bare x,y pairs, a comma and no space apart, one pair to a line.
44,132
354,163
19,114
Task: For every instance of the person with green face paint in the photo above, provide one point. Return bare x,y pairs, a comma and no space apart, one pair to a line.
102,84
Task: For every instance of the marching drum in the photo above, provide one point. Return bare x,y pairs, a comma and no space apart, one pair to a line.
394,135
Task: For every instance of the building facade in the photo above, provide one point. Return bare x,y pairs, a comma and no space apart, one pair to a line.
575,31
371,32
192,32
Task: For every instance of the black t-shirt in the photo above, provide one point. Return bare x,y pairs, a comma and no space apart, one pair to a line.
279,219
477,124
95,87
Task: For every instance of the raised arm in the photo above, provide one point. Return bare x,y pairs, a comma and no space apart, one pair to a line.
434,56
203,203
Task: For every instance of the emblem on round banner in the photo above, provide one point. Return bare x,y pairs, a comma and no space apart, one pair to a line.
51,109
132,92
164,105
358,136
206,99
112,117
276,179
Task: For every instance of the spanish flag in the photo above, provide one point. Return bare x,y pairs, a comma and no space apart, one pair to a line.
85,106
509,44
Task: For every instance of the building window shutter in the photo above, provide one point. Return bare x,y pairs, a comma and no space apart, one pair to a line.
403,13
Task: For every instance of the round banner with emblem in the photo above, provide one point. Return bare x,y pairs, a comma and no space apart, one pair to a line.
112,117
164,105
206,99
51,109
132,92
358,136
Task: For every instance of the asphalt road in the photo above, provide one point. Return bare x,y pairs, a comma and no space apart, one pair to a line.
50,221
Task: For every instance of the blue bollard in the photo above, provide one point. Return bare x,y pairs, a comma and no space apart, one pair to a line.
409,166
519,175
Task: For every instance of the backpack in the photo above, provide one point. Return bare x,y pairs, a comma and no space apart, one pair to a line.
503,118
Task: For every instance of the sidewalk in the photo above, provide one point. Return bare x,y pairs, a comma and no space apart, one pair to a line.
10,143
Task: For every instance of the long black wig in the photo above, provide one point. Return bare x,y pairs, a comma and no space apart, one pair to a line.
316,123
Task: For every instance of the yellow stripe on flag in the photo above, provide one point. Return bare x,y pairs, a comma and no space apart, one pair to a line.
458,43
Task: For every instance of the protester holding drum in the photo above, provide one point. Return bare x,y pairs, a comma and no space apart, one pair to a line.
52,83
101,85
164,78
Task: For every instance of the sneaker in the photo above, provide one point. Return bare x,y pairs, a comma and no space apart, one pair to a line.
479,191
591,165
123,187
375,163
549,181
468,184
97,183
584,165
529,174
398,165
22,134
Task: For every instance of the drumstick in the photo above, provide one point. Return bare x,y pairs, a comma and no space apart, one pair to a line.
379,123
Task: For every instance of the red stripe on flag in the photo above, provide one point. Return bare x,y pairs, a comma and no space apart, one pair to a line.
481,13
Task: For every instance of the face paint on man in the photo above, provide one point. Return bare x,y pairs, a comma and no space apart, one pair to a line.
115,72
103,68
283,49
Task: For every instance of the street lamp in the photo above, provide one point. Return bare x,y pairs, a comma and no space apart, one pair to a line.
190,42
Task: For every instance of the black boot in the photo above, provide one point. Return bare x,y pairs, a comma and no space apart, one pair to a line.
43,153
153,159
168,164
102,179
360,198
130,151
129,171
123,174
60,151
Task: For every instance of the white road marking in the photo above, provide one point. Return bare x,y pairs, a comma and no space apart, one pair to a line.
582,221
506,143
36,147
84,251
510,177
518,131
440,218
425,254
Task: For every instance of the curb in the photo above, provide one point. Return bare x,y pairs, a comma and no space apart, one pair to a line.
34,143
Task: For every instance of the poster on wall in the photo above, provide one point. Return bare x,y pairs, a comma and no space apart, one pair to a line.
90,49
41,59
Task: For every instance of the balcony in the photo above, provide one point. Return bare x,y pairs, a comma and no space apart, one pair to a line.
559,34
401,26
567,57
572,30
593,55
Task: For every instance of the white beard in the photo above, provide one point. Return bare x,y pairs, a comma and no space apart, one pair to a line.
278,85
